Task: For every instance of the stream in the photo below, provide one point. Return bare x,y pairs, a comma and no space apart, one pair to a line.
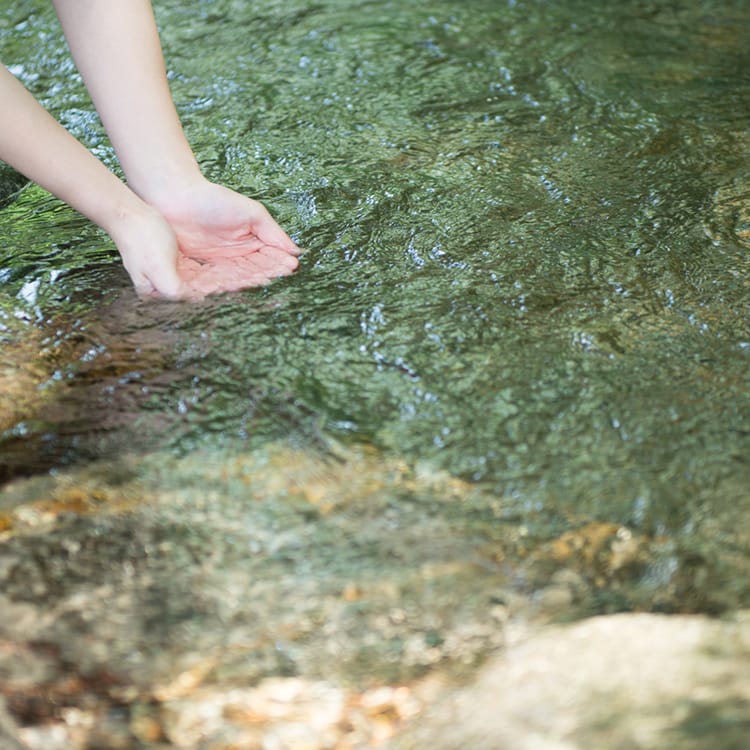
508,387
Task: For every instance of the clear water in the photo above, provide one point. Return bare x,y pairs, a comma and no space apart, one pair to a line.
527,229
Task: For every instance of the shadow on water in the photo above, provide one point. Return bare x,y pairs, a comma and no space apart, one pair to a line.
97,376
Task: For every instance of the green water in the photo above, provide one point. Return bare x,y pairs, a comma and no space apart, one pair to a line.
527,228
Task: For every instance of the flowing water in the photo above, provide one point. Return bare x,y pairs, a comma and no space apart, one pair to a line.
523,314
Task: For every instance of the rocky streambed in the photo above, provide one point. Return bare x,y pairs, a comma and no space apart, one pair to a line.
476,476
284,599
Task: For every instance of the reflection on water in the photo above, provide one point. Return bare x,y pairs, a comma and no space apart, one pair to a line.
527,263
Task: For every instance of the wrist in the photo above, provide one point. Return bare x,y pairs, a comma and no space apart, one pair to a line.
158,183
127,217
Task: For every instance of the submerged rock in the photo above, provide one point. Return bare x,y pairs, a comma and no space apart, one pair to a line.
21,373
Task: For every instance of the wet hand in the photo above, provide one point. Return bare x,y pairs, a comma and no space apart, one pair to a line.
226,241
150,254
208,240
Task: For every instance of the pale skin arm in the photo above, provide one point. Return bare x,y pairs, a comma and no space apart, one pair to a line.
39,147
116,47
179,235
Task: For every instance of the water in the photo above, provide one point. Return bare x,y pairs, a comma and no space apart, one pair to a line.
527,234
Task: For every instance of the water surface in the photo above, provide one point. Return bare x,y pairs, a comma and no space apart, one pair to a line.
527,234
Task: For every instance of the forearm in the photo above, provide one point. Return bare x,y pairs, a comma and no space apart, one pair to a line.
40,148
116,47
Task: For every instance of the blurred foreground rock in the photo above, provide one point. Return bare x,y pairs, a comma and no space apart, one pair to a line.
646,682
636,681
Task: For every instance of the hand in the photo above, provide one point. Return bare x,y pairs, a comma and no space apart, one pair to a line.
150,254
206,241
226,241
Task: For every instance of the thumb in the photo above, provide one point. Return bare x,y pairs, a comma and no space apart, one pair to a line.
160,281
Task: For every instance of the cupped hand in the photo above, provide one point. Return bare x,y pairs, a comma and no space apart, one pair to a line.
207,240
226,240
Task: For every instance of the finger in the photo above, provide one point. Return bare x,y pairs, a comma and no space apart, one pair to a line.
247,272
227,275
277,261
235,249
171,290
269,262
264,225
160,284
144,288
